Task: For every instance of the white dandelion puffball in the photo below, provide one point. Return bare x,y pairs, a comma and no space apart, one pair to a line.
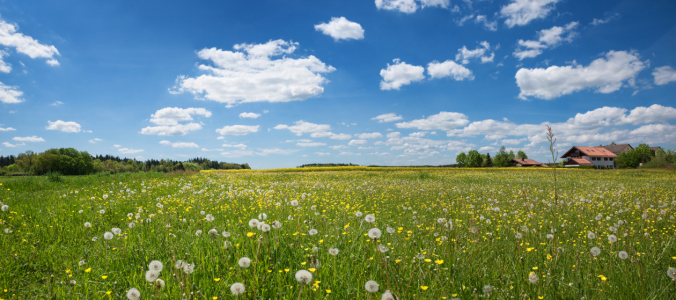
550,236
116,231
591,235
294,202
623,255
334,251
387,295
371,286
105,197
80,211
94,239
151,275
313,232
441,220
262,216
533,278
159,283
225,234
133,294
449,225
244,262
253,223
374,233
265,227
289,218
382,248
210,218
370,218
179,264
202,212
358,214
518,235
303,276
103,211
5,208
488,289
390,230
131,225
198,232
108,235
156,266
87,224
213,232
260,225
227,244
188,268
612,238
237,288
671,273
82,262
595,251
276,224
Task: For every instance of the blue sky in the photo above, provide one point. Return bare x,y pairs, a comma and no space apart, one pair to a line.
284,83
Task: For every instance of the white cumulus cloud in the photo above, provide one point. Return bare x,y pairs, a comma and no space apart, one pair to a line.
7,144
664,75
389,117
449,68
400,73
238,129
29,139
168,119
442,121
522,12
249,115
311,144
249,74
366,136
341,29
357,142
301,127
7,129
464,55
179,144
64,126
547,39
129,150
606,75
10,94
24,44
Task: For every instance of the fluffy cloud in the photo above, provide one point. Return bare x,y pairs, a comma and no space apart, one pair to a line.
7,129
4,67
341,29
664,75
312,144
93,141
265,152
64,126
490,25
301,127
168,120
240,146
7,144
464,54
249,115
400,73
366,136
179,144
23,44
10,94
389,117
547,39
521,12
410,6
357,142
237,153
238,129
251,75
449,68
443,121
180,129
29,139
606,75
129,150
597,22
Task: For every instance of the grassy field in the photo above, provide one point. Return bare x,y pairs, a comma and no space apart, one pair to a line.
444,234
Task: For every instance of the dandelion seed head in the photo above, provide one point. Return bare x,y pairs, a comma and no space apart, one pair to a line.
303,276
133,294
612,238
87,224
156,266
370,218
387,295
244,262
334,251
108,235
358,214
253,223
595,251
116,231
210,218
262,216
623,255
672,273
237,289
276,224
591,235
159,283
151,275
533,278
374,233
198,232
313,232
371,286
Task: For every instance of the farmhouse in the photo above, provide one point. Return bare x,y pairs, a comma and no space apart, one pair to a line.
598,157
527,163
617,149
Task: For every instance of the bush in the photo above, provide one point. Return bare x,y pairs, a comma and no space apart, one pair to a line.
54,177
655,164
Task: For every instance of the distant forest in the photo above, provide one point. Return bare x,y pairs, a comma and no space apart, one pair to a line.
69,161
355,165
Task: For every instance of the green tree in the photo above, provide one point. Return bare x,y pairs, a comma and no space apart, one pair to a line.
521,155
634,158
511,155
502,159
461,159
474,159
488,162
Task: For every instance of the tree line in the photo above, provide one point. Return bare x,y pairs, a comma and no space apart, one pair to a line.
69,161
643,156
502,159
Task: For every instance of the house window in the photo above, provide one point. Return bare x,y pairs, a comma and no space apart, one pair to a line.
593,158
605,158
611,159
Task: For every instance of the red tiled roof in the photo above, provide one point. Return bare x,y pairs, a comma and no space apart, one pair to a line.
591,151
617,148
528,162
579,161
